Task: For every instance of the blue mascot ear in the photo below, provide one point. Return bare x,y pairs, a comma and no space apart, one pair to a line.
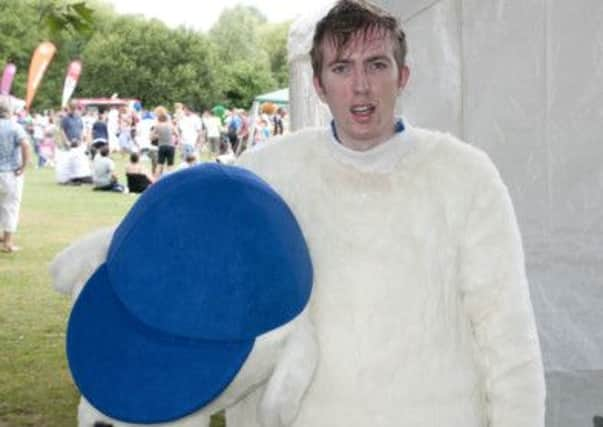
205,261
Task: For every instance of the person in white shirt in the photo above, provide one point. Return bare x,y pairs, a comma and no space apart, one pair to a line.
190,127
212,131
78,165
105,178
143,139
88,120
113,128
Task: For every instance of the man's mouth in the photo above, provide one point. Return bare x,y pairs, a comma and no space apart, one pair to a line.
362,113
362,109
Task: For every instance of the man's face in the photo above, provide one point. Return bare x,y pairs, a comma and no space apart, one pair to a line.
360,86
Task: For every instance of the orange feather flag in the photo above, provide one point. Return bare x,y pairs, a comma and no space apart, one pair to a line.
39,62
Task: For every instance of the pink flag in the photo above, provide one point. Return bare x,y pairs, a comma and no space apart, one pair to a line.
73,75
7,78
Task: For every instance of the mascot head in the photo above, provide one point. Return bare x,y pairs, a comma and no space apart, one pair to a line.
207,260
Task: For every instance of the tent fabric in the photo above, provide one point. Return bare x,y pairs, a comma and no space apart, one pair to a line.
521,80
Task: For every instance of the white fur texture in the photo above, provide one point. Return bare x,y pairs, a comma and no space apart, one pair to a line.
420,302
285,357
71,268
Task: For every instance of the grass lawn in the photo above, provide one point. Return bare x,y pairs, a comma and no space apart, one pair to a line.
35,385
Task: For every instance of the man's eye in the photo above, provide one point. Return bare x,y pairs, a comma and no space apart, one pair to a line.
377,66
340,69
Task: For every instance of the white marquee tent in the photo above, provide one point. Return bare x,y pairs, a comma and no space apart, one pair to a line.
523,80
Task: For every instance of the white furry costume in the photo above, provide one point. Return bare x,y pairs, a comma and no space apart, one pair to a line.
420,301
282,359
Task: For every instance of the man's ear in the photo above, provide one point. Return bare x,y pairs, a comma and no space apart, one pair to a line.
318,88
403,77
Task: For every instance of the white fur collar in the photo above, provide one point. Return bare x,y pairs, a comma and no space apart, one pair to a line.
380,159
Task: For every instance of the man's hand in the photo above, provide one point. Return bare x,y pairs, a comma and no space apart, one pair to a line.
20,170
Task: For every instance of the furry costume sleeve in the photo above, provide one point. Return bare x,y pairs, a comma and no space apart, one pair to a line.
496,299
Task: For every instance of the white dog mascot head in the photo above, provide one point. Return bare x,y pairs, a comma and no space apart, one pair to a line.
197,298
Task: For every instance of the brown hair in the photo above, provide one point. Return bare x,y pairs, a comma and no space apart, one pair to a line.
349,17
161,113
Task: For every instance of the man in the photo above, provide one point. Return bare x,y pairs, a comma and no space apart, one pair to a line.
277,121
143,138
39,123
88,120
420,300
212,127
127,125
72,125
100,134
190,127
234,125
243,132
14,157
104,177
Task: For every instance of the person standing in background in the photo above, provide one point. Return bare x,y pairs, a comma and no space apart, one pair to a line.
72,125
14,157
212,131
164,133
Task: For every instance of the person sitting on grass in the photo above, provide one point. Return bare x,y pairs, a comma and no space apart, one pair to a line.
136,168
47,150
137,177
78,165
189,157
104,173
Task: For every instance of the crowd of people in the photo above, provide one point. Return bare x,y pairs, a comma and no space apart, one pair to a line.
79,143
65,139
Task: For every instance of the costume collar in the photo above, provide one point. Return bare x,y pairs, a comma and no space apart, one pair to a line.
380,159
398,128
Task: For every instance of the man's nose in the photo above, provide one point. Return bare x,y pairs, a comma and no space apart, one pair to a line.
361,82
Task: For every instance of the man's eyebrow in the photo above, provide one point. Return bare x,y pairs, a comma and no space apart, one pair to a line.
339,61
378,58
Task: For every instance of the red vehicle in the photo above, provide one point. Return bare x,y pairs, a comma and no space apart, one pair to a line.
104,103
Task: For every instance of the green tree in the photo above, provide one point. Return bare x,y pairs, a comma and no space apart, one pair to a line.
146,60
19,38
25,24
244,80
252,53
235,33
59,16
239,58
273,39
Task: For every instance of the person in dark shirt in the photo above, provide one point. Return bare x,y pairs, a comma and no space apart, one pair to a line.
72,125
100,134
277,121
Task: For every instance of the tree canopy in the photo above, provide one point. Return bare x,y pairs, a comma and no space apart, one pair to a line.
240,57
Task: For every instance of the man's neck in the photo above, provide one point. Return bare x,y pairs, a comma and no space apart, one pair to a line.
356,145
